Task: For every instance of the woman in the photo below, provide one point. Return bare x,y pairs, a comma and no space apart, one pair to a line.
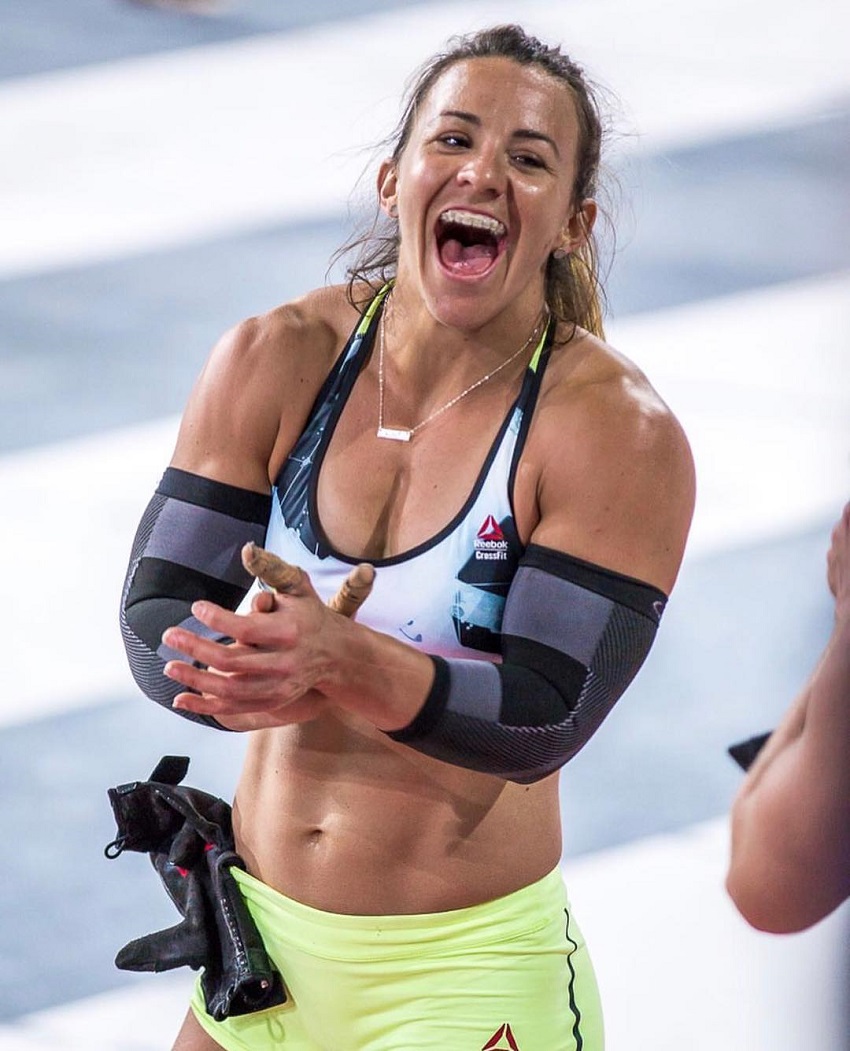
525,497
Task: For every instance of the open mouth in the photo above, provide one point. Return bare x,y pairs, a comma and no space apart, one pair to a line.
469,243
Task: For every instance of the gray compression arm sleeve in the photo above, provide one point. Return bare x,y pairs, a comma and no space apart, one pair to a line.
574,635
187,547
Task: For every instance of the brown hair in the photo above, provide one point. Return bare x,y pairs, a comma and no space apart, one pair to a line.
574,290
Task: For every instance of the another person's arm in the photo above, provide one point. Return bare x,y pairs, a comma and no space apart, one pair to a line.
790,860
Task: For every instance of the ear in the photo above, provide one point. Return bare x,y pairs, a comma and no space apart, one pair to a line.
577,228
388,188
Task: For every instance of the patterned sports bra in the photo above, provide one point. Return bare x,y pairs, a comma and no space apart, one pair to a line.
445,596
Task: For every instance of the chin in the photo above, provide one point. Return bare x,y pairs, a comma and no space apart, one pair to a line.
465,303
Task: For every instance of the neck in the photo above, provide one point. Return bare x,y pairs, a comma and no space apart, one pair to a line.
428,351
421,405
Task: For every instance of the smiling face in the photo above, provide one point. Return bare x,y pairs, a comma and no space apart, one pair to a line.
484,190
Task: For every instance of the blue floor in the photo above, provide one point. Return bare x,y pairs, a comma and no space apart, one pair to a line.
40,36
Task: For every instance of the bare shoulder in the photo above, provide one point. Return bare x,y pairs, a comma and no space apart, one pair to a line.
593,387
256,388
301,336
616,473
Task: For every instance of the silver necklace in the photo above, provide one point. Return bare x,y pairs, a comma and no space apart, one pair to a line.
404,434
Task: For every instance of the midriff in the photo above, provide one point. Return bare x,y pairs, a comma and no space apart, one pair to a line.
335,814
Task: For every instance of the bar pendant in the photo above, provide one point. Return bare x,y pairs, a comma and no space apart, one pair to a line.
395,434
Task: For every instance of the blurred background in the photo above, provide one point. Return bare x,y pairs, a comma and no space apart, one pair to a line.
169,168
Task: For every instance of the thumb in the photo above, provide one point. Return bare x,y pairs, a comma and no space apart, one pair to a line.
282,577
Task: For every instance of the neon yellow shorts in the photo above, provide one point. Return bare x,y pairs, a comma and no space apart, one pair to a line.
509,975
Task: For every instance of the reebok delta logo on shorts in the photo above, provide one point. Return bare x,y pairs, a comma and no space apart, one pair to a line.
502,1040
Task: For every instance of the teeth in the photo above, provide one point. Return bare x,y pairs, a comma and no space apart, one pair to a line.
481,222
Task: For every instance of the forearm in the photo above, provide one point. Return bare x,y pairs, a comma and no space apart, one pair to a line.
790,862
826,726
574,635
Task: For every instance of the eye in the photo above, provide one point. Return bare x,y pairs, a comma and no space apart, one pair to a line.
529,160
453,139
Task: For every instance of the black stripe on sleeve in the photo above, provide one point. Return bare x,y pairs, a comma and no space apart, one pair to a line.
148,622
627,591
244,504
432,710
158,578
540,685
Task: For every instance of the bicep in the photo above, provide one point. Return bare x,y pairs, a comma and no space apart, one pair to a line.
231,422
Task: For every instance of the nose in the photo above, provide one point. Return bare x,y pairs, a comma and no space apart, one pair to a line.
484,170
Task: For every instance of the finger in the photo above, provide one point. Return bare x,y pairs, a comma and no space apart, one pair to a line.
272,570
263,602
209,704
273,713
219,657
354,591
250,641
246,692
247,628
192,647
241,693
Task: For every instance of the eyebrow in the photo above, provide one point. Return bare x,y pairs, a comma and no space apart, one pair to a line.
520,133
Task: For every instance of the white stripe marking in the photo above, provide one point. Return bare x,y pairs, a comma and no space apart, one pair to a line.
154,151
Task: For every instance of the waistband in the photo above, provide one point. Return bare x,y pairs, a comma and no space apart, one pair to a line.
339,936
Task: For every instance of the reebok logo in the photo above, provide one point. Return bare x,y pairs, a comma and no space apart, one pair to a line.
490,543
501,1040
